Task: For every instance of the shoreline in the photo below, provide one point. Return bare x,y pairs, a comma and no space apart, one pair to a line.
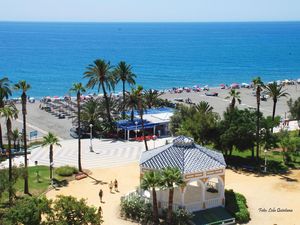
164,90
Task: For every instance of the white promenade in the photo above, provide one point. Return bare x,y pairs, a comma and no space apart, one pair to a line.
107,153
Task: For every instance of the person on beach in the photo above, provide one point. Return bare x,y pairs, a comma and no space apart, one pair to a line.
116,185
110,186
100,195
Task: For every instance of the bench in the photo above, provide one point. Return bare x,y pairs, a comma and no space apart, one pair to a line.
80,176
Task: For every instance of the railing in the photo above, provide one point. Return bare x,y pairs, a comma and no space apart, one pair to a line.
213,202
223,222
196,206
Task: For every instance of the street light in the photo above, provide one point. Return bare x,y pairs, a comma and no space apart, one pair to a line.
91,138
136,123
265,168
154,137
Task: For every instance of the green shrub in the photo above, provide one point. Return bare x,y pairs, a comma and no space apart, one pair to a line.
137,209
66,171
236,204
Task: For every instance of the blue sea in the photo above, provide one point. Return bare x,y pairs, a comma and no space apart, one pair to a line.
51,56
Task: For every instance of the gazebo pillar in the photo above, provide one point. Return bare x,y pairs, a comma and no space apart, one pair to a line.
183,189
128,135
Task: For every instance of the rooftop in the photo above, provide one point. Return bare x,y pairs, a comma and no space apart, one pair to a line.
184,154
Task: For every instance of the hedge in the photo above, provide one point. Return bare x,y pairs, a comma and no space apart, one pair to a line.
236,204
66,171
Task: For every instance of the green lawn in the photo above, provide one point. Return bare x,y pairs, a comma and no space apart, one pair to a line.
35,188
274,161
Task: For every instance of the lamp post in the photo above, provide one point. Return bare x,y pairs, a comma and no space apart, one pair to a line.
136,123
91,138
154,138
265,168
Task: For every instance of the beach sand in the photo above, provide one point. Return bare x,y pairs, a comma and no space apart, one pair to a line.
261,192
43,122
248,100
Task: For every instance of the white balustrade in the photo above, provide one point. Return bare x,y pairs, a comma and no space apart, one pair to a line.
213,203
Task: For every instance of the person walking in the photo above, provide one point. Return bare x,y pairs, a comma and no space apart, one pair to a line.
100,212
100,195
116,185
110,186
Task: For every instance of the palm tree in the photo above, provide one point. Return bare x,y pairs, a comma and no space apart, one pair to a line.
5,92
151,98
141,107
275,91
123,72
15,137
235,96
150,181
171,177
258,86
100,75
9,112
78,89
50,140
131,102
204,107
24,87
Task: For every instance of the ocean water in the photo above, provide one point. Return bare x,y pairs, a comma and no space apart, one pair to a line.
51,56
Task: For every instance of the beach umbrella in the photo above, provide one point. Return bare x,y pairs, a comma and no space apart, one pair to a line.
234,85
56,97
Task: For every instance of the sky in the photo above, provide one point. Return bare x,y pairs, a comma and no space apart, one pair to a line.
150,10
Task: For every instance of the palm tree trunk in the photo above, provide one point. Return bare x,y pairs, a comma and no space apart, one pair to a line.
132,114
123,112
155,209
10,190
1,140
26,187
51,161
106,103
257,124
232,103
273,114
79,132
170,206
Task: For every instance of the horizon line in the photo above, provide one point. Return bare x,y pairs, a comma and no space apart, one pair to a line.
84,21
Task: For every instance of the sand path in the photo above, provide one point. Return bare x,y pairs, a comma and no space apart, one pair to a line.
261,192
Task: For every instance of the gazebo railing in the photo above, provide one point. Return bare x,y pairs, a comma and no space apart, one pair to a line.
214,202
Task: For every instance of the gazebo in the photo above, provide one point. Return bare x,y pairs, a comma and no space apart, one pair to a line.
203,171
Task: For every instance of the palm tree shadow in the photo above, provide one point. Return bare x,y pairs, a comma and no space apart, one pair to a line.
96,181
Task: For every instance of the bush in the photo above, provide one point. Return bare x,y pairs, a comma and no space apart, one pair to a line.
137,209
236,204
27,211
66,171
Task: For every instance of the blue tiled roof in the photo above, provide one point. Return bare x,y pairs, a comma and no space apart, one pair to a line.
184,154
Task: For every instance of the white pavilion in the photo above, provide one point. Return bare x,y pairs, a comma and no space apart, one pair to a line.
203,171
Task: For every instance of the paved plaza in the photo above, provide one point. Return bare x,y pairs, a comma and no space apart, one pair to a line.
107,153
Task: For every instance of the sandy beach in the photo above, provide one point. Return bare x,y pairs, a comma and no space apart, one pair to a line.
219,103
43,121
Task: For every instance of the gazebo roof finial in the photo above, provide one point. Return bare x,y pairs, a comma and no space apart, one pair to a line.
183,141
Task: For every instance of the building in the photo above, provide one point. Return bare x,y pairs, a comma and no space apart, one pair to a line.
156,122
203,171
